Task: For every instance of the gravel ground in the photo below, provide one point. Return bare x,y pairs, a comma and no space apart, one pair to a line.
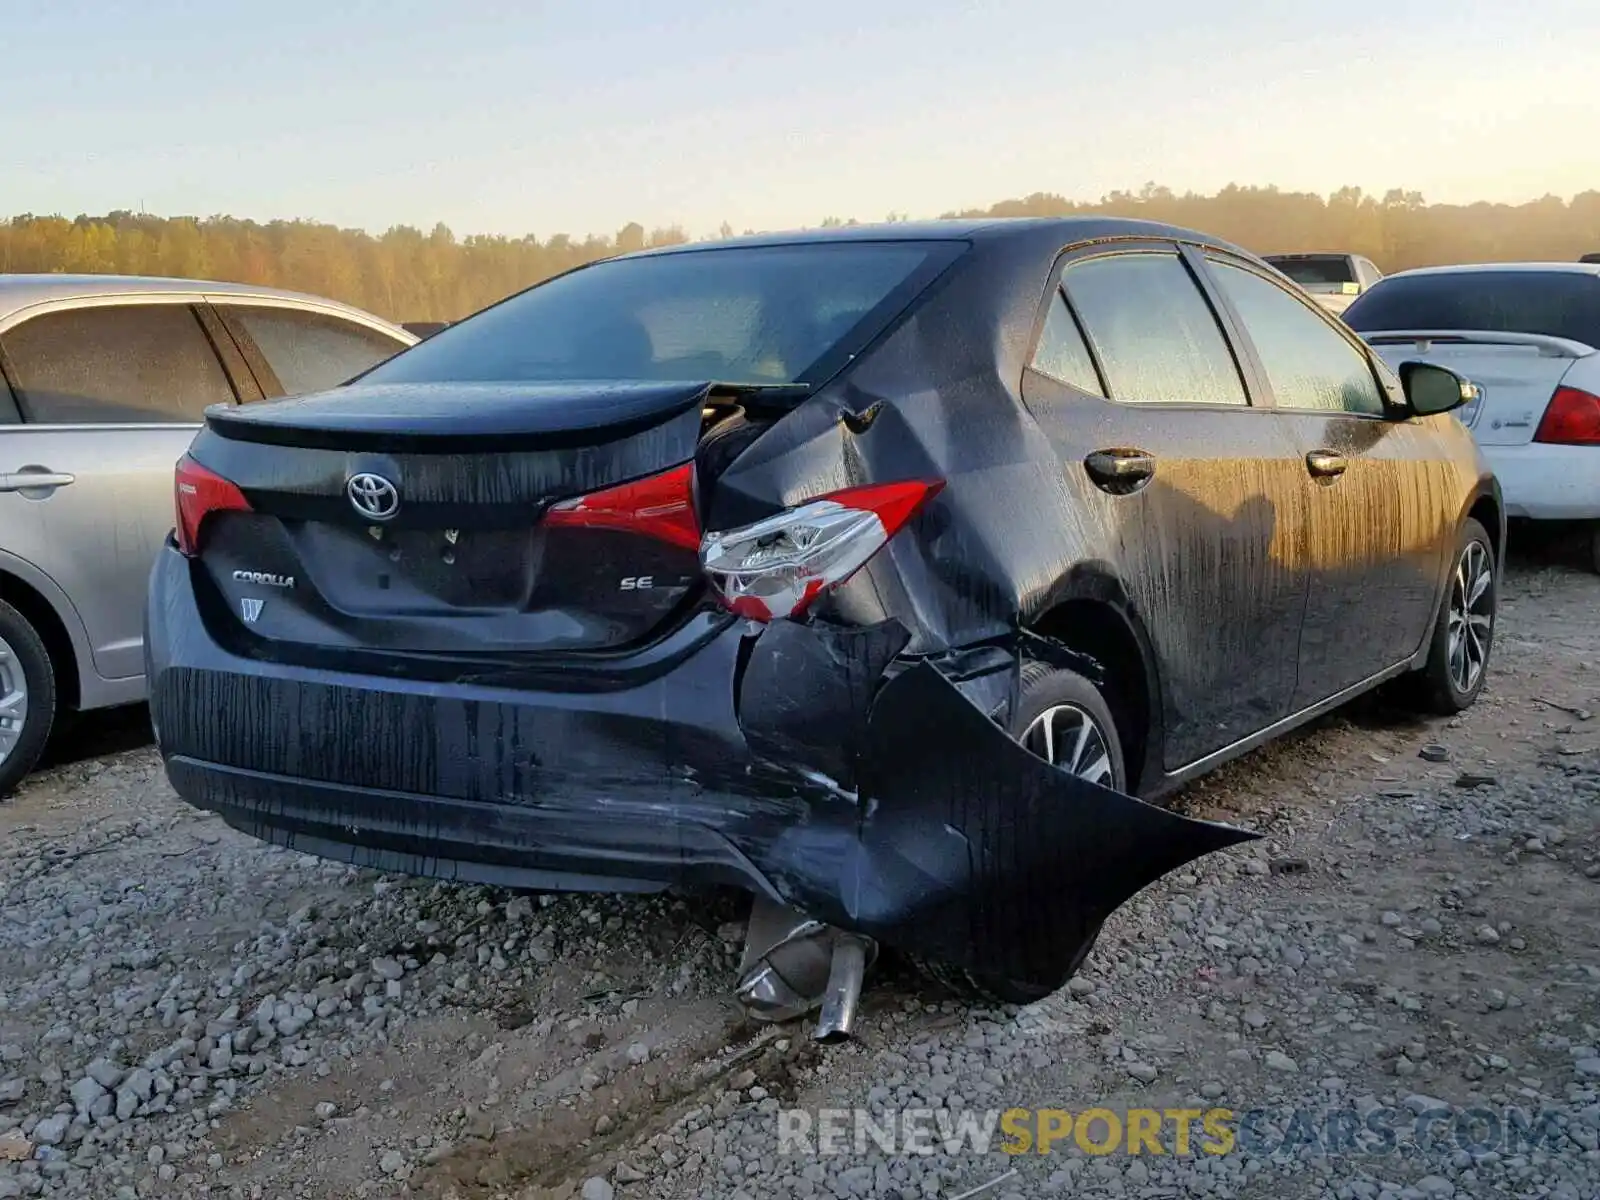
184,1012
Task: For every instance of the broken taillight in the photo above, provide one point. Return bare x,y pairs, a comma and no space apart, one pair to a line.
659,506
1573,419
774,568
198,493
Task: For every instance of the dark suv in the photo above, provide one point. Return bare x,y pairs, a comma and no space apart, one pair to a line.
875,571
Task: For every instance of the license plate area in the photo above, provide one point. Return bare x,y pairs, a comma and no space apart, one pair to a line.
382,570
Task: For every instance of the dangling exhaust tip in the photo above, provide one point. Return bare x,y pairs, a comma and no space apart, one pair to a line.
767,996
792,964
843,993
785,963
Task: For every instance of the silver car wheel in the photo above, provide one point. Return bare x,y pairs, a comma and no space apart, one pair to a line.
1068,737
1471,617
13,700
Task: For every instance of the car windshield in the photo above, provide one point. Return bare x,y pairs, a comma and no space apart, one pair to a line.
1310,272
743,315
1555,303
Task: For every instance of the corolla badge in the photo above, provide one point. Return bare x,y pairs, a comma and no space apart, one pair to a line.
267,578
373,496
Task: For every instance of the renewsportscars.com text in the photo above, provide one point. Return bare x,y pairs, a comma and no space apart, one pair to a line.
1179,1132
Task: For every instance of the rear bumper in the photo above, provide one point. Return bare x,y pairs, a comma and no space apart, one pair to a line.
802,762
614,847
635,777
1548,483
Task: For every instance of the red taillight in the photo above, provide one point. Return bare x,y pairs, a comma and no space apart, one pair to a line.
1573,419
660,507
777,567
200,492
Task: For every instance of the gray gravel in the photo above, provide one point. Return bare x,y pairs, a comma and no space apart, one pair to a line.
184,1012
170,984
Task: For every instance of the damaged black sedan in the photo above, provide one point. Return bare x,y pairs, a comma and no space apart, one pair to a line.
874,571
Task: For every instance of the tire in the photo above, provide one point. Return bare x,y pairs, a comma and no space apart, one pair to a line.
1445,686
1042,688
1594,547
25,666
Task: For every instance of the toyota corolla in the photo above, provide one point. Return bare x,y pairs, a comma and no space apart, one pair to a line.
889,574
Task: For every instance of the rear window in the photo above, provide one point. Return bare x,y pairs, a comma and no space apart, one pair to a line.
758,315
1310,272
1555,303
310,351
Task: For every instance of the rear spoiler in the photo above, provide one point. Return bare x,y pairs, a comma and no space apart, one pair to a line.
1546,344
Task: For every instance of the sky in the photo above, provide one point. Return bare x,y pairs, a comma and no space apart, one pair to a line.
519,116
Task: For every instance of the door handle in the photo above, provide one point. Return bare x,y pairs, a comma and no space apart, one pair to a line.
32,478
1120,471
1325,464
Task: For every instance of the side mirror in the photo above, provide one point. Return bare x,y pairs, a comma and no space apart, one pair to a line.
1431,389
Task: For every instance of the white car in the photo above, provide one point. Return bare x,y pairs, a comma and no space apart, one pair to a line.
1527,335
1333,280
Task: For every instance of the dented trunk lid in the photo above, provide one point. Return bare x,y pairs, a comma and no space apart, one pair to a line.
415,519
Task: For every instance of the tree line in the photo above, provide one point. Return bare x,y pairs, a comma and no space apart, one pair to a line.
408,275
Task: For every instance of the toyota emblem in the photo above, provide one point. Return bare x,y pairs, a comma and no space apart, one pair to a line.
373,496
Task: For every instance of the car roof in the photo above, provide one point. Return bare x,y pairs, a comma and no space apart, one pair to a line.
1311,254
1562,268
1054,232
22,291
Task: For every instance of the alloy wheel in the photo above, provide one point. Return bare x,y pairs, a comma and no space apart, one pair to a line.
1068,737
1471,616
13,700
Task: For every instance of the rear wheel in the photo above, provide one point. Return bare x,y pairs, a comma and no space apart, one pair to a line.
1062,718
1463,632
1594,547
27,697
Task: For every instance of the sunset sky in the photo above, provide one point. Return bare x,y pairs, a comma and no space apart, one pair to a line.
514,116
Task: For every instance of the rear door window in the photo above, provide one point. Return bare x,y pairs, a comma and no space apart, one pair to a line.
310,351
1153,330
1062,353
115,364
1563,304
1309,364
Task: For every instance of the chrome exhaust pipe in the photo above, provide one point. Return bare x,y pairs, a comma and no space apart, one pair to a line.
793,963
785,962
845,973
